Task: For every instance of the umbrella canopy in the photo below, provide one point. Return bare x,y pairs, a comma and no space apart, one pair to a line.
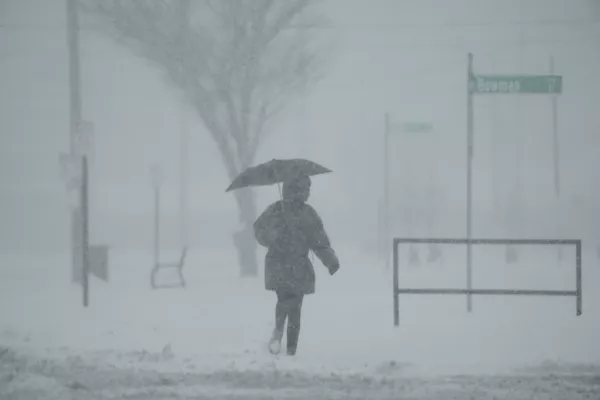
276,171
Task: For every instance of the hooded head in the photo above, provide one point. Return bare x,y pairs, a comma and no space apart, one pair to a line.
297,188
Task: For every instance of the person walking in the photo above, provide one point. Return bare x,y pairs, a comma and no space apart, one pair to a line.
289,229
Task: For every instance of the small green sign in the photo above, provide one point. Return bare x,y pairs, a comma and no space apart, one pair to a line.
502,84
417,127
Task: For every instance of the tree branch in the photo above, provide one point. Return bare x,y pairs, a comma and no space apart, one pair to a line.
223,54
292,10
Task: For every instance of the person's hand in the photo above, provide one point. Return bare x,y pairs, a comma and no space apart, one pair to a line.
334,268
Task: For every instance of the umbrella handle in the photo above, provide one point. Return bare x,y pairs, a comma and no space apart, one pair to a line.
282,202
281,198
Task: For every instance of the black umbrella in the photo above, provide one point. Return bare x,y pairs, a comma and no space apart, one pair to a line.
276,171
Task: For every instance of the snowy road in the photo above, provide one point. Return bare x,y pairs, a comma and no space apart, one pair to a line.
207,342
24,378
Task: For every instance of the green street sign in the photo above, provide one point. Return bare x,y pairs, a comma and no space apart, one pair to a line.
417,127
502,84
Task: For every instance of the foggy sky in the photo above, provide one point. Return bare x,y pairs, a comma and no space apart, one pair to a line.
407,58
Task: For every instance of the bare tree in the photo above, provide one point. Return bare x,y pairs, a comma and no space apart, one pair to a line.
244,61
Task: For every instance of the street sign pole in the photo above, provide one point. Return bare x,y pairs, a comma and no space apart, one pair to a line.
82,145
555,143
386,191
470,89
75,107
184,181
85,230
555,151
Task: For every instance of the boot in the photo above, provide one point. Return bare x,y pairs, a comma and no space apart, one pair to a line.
293,332
275,342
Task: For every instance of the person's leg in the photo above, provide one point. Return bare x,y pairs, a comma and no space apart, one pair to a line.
281,310
293,328
281,314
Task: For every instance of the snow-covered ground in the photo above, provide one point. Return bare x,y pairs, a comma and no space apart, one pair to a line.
208,341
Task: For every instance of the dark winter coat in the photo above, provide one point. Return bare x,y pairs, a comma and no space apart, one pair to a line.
289,229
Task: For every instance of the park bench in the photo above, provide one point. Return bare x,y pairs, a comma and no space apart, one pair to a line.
176,265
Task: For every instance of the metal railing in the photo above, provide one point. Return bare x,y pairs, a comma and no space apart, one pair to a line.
470,291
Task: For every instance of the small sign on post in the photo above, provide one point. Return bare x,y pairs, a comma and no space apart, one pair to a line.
98,264
412,127
523,84
417,127
70,170
83,139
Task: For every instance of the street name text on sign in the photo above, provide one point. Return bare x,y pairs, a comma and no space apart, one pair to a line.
411,127
533,84
417,127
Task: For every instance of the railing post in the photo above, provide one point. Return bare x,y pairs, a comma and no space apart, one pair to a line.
396,294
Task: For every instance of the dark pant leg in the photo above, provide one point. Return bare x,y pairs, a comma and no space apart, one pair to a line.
293,328
281,310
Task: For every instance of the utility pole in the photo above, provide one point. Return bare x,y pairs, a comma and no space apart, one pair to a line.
184,10
74,117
